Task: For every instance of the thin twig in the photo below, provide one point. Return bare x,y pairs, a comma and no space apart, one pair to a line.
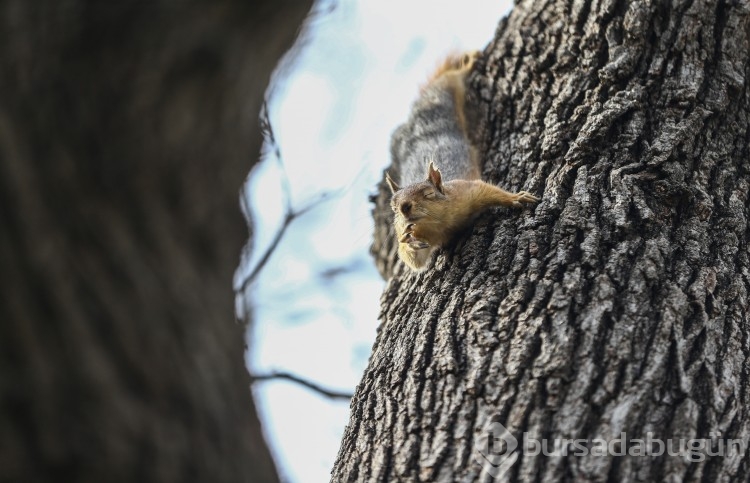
290,214
303,382
289,217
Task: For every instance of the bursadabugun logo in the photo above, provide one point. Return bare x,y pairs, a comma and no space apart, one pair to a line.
495,449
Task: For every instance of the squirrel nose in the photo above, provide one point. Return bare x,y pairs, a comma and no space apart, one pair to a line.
406,207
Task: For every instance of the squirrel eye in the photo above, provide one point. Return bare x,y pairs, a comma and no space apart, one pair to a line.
429,194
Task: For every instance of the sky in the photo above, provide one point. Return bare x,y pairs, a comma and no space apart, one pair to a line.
332,109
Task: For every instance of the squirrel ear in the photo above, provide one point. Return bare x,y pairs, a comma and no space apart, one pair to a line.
434,177
392,184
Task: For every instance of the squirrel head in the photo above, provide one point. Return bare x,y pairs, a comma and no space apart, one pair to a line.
412,202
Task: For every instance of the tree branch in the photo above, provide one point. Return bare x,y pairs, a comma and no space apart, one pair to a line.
290,214
303,382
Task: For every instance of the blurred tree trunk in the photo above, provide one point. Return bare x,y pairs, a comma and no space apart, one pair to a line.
126,132
620,302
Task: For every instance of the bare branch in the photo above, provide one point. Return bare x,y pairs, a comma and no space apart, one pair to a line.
289,217
303,382
290,213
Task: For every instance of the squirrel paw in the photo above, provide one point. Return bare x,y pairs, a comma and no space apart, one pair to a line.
524,197
409,239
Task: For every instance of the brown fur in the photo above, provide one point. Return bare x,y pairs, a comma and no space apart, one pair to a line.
430,213
452,74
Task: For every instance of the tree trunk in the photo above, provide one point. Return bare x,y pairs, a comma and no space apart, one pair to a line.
126,132
619,303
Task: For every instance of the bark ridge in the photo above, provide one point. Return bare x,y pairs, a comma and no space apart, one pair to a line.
619,303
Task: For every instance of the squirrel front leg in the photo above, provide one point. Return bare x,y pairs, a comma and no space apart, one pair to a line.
487,195
414,251
411,238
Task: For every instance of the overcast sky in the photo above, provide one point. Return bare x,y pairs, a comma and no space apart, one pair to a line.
347,88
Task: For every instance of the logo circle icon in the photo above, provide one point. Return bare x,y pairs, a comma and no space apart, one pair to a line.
495,449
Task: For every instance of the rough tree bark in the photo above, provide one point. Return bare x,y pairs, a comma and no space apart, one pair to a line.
619,303
126,131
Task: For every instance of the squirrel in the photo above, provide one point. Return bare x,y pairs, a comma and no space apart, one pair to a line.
429,213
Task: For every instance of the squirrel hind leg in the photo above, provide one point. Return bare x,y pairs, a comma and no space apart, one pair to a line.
468,59
455,63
